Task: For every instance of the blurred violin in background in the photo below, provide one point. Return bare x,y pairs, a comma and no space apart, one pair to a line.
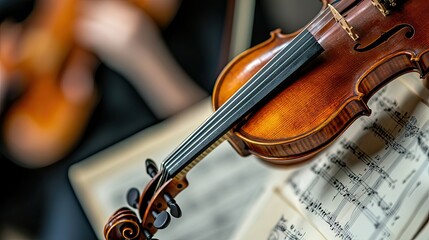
290,97
51,78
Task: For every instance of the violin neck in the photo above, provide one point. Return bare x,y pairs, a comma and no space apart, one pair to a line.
192,164
276,72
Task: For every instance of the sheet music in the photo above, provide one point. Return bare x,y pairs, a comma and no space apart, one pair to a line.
374,180
221,189
271,220
372,183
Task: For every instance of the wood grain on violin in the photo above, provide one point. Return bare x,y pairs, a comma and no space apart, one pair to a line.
309,114
286,99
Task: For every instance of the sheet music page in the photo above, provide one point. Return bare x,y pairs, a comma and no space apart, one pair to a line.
272,219
222,187
372,183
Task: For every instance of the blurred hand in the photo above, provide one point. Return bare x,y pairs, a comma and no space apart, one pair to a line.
129,41
112,29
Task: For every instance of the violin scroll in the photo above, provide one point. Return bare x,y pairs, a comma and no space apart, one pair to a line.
123,224
151,205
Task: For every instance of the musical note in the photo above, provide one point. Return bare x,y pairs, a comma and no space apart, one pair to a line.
349,186
284,230
372,183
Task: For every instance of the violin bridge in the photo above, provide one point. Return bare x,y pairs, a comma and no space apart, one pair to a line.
343,22
380,6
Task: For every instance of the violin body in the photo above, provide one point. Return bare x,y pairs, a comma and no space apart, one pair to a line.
307,115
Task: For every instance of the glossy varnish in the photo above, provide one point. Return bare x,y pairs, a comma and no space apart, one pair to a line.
307,115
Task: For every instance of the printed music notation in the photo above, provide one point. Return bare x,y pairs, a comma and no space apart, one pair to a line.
285,230
373,181
371,184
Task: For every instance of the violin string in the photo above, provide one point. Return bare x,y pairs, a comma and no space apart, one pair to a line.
321,18
208,123
171,159
226,109
323,15
188,145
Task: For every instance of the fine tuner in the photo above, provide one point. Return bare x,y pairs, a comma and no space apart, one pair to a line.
384,6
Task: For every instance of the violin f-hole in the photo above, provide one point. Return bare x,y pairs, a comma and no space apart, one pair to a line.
384,37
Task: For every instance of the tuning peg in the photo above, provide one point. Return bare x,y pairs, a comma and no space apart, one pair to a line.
133,196
174,207
148,235
162,219
151,168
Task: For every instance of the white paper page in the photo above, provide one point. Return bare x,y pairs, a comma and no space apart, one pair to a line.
274,219
372,183
374,180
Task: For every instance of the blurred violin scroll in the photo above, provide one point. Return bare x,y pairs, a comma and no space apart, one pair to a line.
48,76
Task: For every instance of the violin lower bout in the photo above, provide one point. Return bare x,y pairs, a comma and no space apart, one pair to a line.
302,148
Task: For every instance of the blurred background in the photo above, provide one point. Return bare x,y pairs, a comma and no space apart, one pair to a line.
77,76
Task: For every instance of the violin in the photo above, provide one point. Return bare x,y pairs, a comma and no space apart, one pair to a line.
54,103
288,98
